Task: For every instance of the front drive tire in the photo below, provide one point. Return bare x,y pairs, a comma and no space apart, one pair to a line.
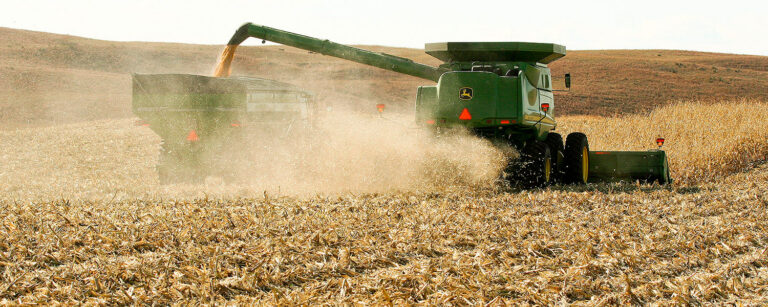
576,160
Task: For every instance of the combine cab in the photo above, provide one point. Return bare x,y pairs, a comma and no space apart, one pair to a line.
210,125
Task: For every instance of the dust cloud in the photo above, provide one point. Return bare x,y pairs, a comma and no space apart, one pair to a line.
113,160
352,152
80,142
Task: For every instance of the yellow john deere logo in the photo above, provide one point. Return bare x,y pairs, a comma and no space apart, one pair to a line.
465,93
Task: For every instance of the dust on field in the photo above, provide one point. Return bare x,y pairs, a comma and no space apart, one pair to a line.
345,152
348,152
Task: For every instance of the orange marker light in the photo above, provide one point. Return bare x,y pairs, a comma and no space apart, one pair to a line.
192,136
545,107
380,107
465,115
431,122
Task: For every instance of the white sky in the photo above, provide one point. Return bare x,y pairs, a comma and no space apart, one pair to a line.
735,26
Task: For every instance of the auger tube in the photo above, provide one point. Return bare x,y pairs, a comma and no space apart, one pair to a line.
326,47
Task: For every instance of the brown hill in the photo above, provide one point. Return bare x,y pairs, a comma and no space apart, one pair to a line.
49,78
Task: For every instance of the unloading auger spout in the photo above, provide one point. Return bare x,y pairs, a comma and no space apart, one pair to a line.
325,47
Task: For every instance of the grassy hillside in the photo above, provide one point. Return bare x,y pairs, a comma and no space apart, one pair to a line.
48,78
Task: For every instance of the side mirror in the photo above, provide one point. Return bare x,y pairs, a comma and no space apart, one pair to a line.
568,81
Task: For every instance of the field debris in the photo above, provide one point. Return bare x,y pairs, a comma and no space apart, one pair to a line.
636,244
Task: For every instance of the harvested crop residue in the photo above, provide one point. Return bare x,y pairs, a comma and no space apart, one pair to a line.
614,244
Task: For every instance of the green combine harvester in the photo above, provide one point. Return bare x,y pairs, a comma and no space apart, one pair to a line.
501,91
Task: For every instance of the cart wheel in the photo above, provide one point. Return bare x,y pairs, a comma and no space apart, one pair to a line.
167,166
576,160
176,164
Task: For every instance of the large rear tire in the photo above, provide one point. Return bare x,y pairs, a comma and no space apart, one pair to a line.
576,160
555,143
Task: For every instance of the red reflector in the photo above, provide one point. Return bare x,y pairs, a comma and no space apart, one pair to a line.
488,121
601,153
504,121
431,122
465,115
659,141
545,107
192,136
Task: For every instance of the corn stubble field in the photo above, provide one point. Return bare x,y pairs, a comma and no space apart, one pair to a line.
84,220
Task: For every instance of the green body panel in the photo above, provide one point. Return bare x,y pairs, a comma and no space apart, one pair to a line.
510,103
649,165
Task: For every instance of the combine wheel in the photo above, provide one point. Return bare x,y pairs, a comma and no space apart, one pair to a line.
576,162
555,143
535,165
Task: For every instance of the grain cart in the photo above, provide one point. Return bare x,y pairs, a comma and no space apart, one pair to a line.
209,125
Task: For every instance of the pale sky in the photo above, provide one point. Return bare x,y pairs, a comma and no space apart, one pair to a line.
735,26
